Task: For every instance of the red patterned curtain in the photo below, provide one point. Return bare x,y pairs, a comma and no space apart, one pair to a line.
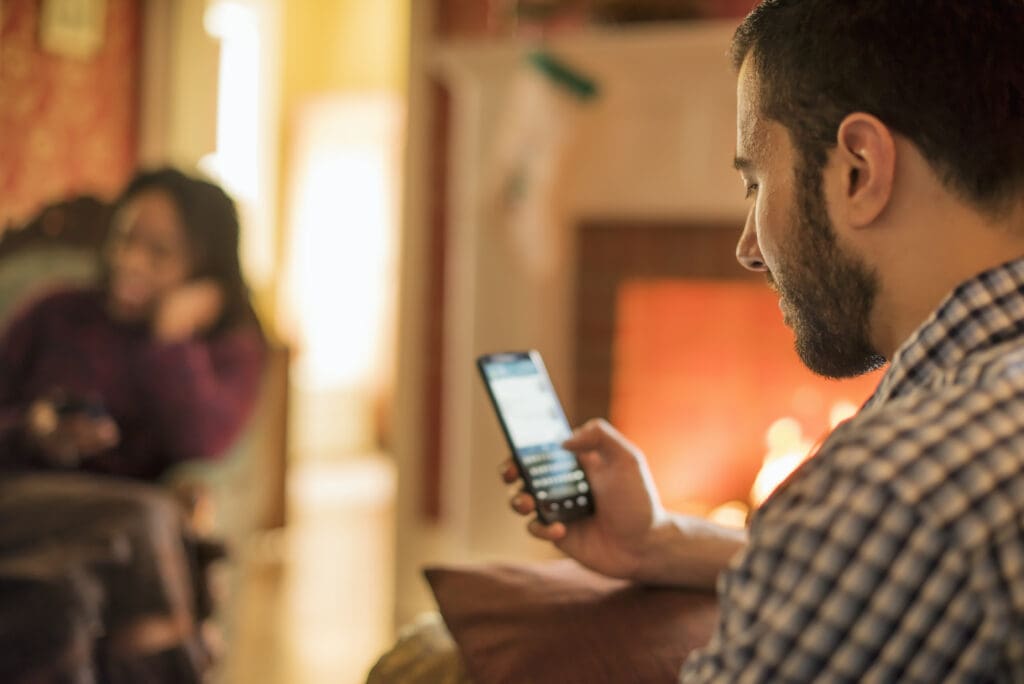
67,125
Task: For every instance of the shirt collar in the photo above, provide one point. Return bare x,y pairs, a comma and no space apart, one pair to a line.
980,313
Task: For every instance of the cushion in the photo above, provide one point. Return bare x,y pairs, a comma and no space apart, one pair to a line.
425,653
39,270
558,622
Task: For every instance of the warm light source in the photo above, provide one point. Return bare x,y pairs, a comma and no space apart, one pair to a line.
788,448
342,217
244,159
238,143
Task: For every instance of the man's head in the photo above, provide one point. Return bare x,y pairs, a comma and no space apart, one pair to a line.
948,75
851,115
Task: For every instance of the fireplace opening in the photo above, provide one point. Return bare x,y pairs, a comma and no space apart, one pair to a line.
705,380
688,356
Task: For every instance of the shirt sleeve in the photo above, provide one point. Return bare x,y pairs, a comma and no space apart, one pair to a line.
852,585
200,392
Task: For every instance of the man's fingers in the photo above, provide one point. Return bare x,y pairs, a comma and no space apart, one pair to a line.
523,504
553,532
509,472
589,460
593,435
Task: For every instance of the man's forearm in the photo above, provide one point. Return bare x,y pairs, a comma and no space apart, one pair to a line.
687,551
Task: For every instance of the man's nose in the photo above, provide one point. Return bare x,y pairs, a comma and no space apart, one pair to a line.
748,252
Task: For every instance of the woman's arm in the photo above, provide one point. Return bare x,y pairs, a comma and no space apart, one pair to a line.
44,430
199,393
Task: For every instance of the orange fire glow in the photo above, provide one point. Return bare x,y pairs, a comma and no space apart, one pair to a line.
702,373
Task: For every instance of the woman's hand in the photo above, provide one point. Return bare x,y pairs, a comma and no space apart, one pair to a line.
65,440
188,311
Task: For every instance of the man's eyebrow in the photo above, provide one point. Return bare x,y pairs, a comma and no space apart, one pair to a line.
741,163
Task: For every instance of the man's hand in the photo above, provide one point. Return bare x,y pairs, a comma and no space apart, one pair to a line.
66,440
616,539
188,311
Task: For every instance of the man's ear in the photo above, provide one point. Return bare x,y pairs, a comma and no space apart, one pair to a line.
866,154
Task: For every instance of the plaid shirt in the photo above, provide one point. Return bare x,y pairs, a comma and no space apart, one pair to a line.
896,554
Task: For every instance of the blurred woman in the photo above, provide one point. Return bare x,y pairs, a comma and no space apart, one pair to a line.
159,364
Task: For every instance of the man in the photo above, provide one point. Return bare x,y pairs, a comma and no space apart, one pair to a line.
881,144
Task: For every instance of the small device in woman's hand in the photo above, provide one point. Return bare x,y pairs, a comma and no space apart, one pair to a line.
66,429
84,406
535,427
67,404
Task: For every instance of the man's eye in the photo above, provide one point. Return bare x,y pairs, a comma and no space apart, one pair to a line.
751,189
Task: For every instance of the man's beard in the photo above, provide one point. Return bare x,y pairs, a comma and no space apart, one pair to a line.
828,294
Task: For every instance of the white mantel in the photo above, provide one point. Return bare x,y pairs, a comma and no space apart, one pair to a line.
663,127
656,144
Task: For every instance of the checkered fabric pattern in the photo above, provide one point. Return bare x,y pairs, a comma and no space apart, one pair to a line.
896,554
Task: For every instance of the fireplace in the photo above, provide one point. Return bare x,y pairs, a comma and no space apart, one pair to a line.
686,353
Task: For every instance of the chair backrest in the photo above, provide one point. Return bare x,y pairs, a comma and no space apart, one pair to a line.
60,246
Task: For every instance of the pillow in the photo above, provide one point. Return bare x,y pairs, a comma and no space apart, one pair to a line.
558,622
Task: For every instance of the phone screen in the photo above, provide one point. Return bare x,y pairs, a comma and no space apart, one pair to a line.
535,426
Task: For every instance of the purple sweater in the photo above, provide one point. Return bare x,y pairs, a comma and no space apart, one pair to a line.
171,402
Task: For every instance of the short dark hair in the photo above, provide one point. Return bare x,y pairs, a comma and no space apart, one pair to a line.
948,75
212,229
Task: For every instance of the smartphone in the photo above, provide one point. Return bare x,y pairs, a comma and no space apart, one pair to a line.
90,407
535,427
